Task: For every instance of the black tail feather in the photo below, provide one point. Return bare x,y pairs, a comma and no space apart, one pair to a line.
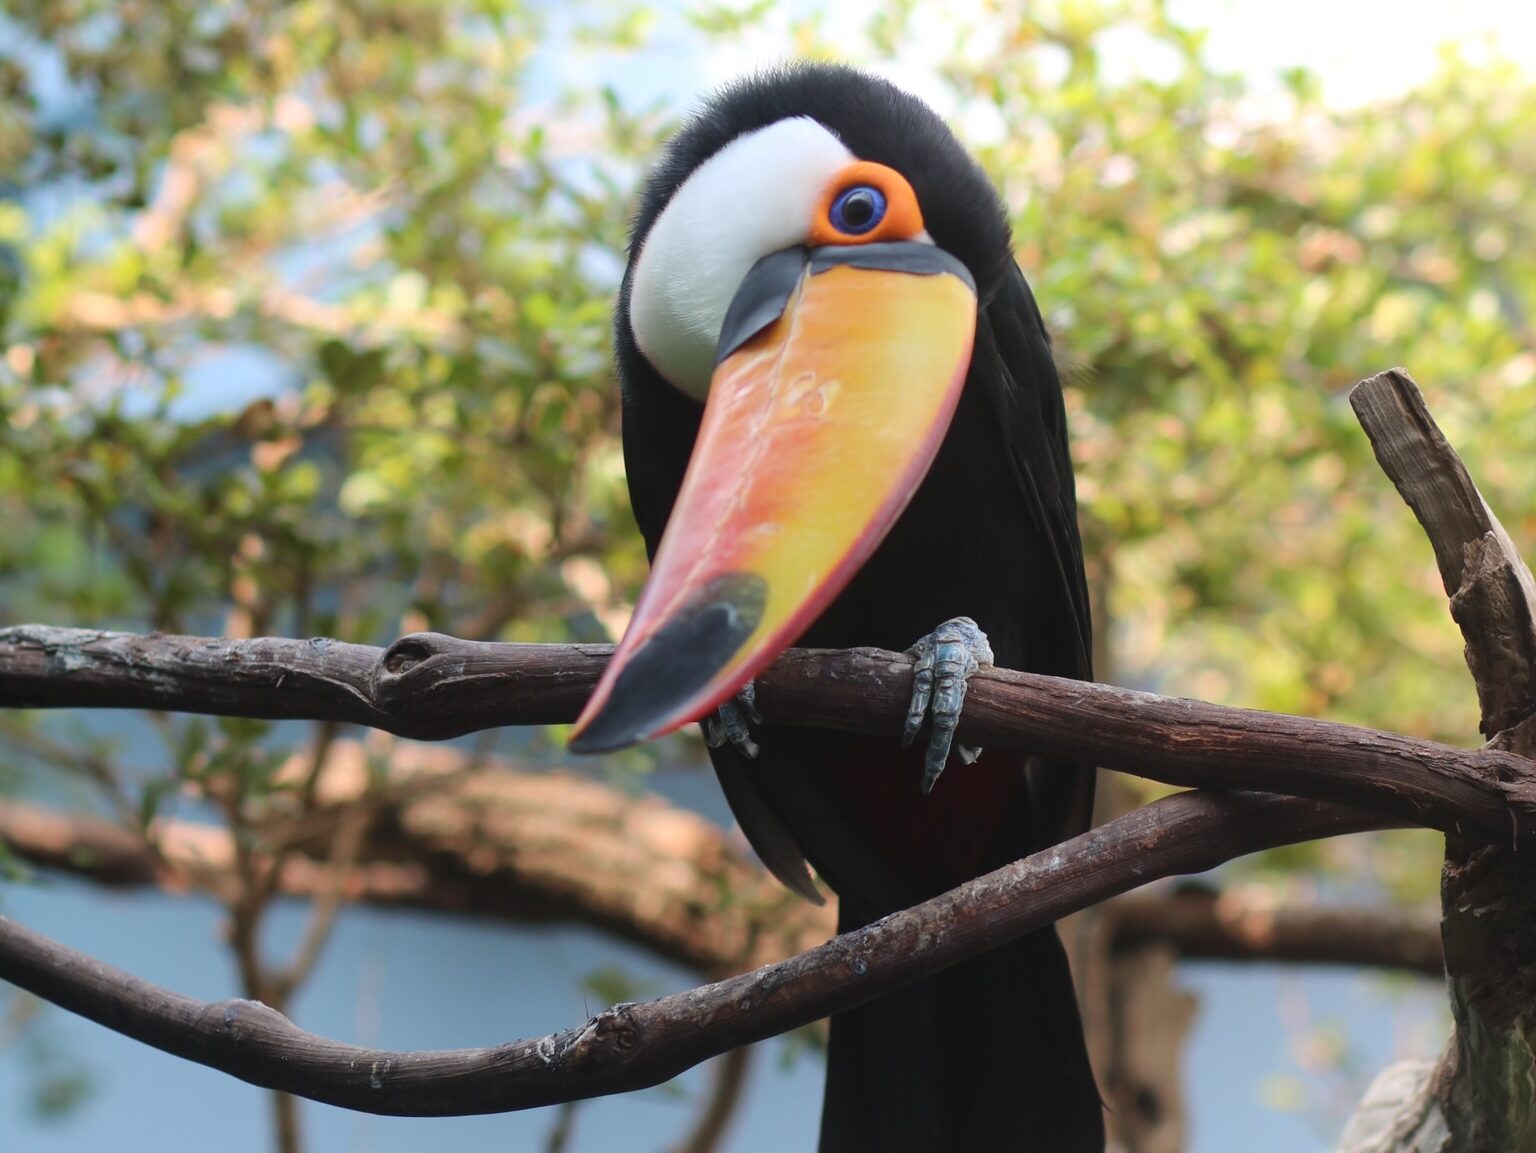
986,1057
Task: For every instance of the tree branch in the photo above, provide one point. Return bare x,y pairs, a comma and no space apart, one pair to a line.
512,845
1493,596
1206,925
469,848
636,1046
430,686
75,843
1479,1098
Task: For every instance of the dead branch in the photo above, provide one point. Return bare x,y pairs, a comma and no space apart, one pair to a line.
1493,595
635,1046
430,687
1479,1098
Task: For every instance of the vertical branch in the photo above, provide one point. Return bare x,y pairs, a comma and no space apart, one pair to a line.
559,1138
729,1078
1493,595
285,1122
1482,1101
1136,1016
247,908
261,850
346,843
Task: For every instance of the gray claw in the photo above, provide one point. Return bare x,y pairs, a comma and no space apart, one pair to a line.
729,722
946,658
746,698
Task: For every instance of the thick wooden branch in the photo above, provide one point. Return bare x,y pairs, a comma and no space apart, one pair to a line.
1206,925
1479,1100
430,686
1493,596
635,1046
76,843
495,842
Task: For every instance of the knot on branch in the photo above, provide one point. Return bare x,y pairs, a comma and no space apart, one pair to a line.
405,654
607,1041
431,686
240,1019
403,663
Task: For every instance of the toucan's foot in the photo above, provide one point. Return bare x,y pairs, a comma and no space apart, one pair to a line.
946,658
729,722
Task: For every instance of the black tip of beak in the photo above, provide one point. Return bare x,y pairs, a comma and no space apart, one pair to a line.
602,736
677,663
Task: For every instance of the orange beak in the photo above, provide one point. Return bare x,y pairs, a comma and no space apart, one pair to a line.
839,372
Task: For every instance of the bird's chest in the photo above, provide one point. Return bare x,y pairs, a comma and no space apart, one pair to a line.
972,821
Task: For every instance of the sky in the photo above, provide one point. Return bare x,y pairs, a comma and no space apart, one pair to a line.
1363,49
410,980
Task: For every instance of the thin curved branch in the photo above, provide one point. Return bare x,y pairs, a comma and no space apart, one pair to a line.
635,1046
429,686
709,1128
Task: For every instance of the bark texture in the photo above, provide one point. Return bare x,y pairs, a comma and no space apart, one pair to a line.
1482,1097
432,687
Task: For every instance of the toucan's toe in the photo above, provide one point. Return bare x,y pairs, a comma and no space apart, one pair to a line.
730,723
946,658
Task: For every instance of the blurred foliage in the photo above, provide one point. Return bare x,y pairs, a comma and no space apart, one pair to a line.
347,213
1221,267
304,307
57,1081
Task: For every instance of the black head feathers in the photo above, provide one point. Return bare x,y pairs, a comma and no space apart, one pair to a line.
876,121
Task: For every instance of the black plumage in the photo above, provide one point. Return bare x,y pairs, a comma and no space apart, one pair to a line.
987,1056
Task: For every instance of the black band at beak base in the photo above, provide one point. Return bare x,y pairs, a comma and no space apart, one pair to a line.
761,298
767,287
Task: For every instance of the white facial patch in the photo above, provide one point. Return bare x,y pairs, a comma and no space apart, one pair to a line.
754,197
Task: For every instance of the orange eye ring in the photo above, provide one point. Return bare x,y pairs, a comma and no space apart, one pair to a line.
901,219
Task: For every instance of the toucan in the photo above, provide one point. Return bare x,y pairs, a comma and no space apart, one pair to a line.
843,426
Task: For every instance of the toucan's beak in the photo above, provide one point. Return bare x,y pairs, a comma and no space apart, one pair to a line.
838,372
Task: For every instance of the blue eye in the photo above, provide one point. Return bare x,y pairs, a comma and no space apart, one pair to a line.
857,210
